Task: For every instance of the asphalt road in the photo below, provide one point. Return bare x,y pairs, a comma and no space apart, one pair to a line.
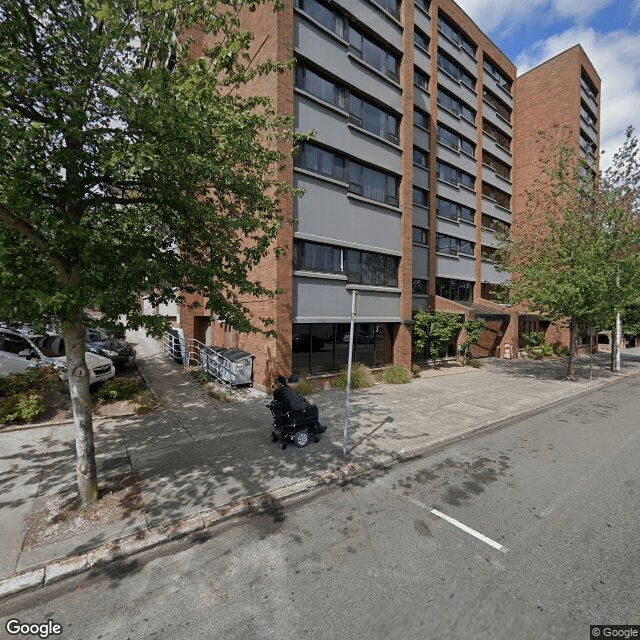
559,492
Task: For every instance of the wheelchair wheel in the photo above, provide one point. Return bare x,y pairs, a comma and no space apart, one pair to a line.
301,439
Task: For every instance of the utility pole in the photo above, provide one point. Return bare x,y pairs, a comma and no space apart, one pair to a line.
355,297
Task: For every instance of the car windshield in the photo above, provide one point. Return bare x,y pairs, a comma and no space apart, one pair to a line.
51,346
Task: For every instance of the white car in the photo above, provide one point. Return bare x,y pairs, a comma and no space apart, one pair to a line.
19,352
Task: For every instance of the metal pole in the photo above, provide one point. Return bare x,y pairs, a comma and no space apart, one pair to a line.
618,342
346,401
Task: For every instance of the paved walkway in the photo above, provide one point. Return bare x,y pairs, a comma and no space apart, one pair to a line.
195,453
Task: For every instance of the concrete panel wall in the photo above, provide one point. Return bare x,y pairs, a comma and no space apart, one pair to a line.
457,194
492,209
456,229
492,178
494,148
461,267
456,158
420,262
464,127
491,274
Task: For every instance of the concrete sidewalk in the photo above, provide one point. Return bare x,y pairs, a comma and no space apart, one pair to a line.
199,459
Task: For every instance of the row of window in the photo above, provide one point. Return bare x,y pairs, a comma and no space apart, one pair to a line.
423,4
587,145
458,290
493,132
420,79
419,235
421,197
453,33
419,286
489,253
492,224
454,246
365,181
452,68
420,119
453,139
453,175
453,210
499,197
587,115
501,168
360,43
362,112
588,86
501,108
497,74
360,267
420,158
455,105
421,39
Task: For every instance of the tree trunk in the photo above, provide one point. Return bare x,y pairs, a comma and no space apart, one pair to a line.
86,471
573,344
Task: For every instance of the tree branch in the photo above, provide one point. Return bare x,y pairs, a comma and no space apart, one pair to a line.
34,235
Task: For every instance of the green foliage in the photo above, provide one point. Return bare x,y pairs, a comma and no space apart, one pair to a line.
361,377
533,339
436,331
22,406
473,329
471,362
304,387
31,379
119,389
416,370
394,374
536,346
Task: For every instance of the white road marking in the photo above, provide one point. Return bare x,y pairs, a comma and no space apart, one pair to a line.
475,534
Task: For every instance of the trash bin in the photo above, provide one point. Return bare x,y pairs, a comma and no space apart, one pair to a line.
231,366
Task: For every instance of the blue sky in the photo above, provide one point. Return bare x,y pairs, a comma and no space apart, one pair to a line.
531,31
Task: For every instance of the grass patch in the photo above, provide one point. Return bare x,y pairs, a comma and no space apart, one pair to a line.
119,389
394,374
304,387
361,377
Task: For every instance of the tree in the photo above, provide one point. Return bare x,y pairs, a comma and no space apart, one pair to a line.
473,329
130,163
434,332
575,257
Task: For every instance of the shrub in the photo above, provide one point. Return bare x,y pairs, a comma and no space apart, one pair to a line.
361,377
471,362
304,387
22,406
119,389
416,370
394,374
31,379
201,376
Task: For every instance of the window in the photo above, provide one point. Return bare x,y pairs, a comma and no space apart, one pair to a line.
420,158
452,68
453,210
373,184
373,119
489,253
501,198
451,139
421,197
492,224
458,290
312,82
375,269
14,344
493,132
501,168
419,235
420,39
328,18
453,246
419,286
316,257
420,119
365,181
453,175
319,160
373,53
586,145
456,36
587,115
452,104
497,74
421,79
501,108
588,86
423,4
390,6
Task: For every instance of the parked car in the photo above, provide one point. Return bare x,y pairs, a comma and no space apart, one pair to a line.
19,352
118,351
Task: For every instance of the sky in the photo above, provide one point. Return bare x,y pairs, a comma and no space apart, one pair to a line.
531,31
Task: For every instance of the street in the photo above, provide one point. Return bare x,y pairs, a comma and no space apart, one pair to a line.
557,493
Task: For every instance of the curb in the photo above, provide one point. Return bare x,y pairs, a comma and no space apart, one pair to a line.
56,570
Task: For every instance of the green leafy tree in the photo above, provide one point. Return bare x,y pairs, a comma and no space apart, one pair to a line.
434,331
130,164
577,258
473,329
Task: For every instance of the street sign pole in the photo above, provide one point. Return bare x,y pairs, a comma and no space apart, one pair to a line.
354,296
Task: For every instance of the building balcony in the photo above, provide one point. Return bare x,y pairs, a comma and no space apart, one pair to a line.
462,126
588,97
460,229
456,193
492,116
458,89
498,151
332,53
458,54
496,180
456,158
493,85
422,20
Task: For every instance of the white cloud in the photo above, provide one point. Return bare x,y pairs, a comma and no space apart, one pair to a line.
615,57
510,14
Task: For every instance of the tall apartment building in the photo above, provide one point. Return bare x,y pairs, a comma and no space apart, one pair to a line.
409,174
